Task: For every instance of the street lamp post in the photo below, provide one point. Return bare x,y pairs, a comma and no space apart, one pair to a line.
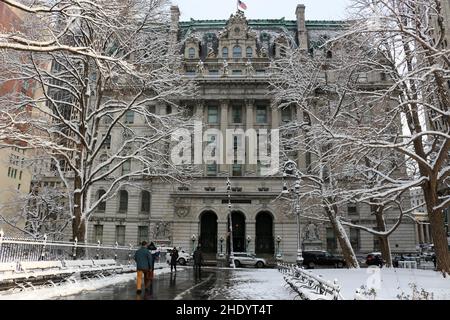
221,246
290,169
231,223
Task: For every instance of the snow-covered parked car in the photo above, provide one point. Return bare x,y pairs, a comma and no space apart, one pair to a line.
248,259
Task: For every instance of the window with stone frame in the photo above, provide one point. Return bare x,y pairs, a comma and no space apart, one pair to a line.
126,167
237,52
211,169
355,238
225,52
129,117
145,201
102,205
142,234
352,209
236,114
249,52
261,114
237,169
123,201
191,53
120,235
286,114
331,240
213,114
98,233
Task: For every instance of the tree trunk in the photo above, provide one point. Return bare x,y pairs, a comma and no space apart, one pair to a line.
385,247
344,242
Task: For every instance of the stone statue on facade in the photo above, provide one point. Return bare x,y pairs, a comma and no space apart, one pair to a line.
225,70
200,68
249,68
211,53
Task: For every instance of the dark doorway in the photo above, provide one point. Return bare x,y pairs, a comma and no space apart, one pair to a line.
239,244
208,232
264,233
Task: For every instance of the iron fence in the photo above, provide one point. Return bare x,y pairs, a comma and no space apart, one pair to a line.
26,249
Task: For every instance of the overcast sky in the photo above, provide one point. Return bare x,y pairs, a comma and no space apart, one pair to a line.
262,9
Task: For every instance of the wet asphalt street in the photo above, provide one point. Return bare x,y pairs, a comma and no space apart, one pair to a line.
184,284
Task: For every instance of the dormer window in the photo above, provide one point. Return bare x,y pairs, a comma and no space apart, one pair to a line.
191,53
237,52
225,53
249,53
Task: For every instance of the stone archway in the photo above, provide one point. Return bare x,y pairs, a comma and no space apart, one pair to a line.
264,242
208,232
239,242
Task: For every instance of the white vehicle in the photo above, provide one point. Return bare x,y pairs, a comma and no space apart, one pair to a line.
183,256
248,259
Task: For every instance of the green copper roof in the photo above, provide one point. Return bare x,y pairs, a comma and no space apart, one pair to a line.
262,23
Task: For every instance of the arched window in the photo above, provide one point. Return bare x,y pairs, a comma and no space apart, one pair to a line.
123,201
145,202
225,52
191,53
329,54
249,52
237,52
101,205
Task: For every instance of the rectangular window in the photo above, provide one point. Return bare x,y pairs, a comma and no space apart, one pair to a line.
213,72
9,171
211,169
237,114
260,72
237,73
120,235
286,115
331,240
20,175
142,234
126,167
129,117
98,233
237,170
18,186
213,114
352,209
107,143
355,238
15,173
261,114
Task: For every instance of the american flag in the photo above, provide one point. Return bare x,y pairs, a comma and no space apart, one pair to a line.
242,5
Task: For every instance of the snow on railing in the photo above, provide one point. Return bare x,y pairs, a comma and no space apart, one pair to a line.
309,286
26,249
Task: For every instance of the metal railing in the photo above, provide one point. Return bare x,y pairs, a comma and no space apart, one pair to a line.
25,249
309,286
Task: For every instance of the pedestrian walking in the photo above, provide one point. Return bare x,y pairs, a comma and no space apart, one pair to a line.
173,259
144,262
198,260
154,252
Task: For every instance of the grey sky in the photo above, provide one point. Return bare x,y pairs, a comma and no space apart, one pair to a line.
262,9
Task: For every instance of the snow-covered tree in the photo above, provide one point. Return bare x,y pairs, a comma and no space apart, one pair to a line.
96,117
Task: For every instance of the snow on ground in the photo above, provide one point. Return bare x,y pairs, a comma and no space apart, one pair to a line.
388,283
67,288
255,284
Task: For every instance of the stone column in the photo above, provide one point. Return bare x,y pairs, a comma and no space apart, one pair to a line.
197,139
224,168
250,169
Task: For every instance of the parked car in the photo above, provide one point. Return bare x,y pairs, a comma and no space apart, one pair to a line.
183,256
322,258
374,259
396,259
248,259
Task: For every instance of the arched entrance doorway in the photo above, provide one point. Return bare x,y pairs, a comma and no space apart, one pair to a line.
208,232
239,244
264,243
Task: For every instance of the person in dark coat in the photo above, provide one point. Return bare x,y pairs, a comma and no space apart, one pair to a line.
144,263
173,259
152,248
198,260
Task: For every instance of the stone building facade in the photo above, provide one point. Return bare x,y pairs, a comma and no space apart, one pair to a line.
230,60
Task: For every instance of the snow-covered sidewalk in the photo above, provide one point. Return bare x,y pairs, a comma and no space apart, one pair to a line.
389,283
75,288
